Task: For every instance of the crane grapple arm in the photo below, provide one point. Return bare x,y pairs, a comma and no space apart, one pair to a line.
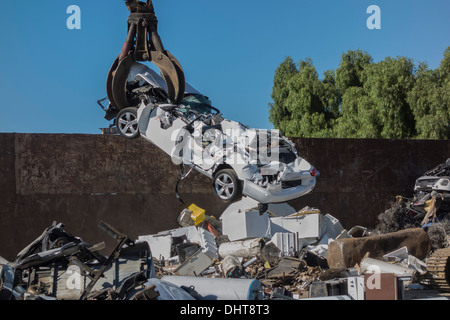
143,43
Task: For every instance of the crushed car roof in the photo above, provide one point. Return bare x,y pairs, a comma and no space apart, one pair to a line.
147,75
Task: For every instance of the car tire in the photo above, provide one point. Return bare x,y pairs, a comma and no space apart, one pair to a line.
127,123
227,185
58,243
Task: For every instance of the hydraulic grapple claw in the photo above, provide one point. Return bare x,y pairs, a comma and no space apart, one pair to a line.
143,44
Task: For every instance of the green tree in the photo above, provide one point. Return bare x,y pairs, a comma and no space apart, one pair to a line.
300,100
430,100
391,99
358,116
387,83
331,97
278,113
351,69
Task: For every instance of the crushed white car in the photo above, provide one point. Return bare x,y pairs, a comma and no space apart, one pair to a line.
259,164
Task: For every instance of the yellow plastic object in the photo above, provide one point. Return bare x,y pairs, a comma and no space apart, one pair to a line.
198,214
428,205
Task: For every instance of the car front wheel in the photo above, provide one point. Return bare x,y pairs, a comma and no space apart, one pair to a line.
127,123
227,185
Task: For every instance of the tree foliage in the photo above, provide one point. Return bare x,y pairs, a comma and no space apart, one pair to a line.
390,99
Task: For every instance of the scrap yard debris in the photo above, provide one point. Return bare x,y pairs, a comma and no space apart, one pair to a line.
428,208
281,254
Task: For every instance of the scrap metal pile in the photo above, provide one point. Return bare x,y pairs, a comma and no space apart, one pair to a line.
59,266
429,207
244,255
290,254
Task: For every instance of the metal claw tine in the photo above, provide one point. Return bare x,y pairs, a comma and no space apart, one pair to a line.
143,43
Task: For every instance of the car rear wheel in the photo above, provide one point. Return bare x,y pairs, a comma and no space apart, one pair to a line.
227,185
127,123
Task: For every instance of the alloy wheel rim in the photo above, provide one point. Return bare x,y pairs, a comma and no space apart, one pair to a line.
224,186
128,124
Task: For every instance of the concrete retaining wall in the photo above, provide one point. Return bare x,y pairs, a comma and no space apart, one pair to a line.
83,179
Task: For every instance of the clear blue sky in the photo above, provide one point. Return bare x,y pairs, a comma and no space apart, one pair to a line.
51,77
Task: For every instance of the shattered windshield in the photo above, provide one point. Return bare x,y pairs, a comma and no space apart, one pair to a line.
198,103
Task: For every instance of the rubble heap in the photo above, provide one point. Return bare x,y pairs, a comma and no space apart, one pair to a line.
428,208
245,254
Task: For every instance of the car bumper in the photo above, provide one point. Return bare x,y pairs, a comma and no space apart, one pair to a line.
275,193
